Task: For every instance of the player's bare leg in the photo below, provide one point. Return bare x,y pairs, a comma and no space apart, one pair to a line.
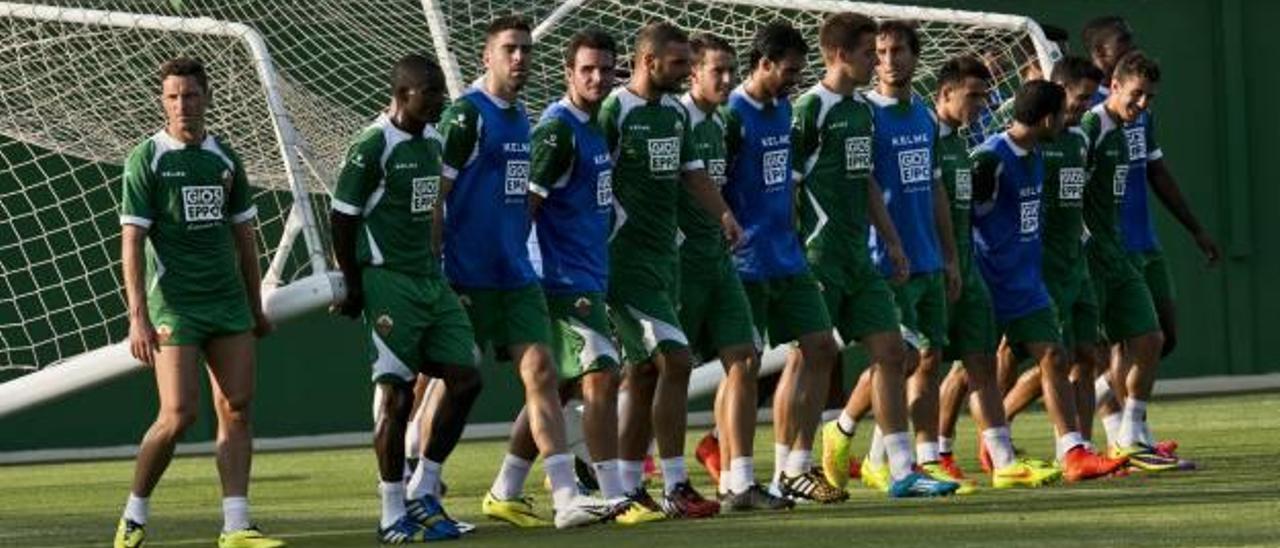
951,399
177,372
922,398
231,378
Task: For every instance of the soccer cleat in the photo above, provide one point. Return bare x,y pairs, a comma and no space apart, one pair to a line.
936,471
1024,473
875,477
855,468
685,502
584,510
835,454
1166,448
1146,459
708,454
641,495
1082,464
984,457
755,497
130,534
918,484
949,464
428,513
517,512
634,512
811,486
248,538
404,531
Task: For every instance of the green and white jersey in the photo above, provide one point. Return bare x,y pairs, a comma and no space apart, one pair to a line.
1066,168
187,197
831,140
391,179
651,146
702,241
1104,191
952,152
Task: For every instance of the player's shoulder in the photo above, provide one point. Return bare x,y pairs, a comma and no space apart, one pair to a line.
217,144
988,148
1078,134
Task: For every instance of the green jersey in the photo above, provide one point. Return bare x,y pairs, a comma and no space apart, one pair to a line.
187,197
1066,163
831,142
952,152
1109,158
390,179
650,145
702,242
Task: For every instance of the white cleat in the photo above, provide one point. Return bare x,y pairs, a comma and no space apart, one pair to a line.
584,510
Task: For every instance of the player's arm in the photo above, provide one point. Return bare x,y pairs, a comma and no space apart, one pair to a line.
243,214
460,128
136,216
883,223
693,175
552,160
805,136
1166,188
356,181
946,233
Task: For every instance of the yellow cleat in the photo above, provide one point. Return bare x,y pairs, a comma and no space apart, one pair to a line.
634,513
129,534
517,512
935,471
875,477
1025,473
835,454
248,538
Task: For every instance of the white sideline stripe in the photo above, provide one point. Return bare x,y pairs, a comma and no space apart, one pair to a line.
500,430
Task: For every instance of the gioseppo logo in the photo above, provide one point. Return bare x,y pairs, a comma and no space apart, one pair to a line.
604,188
716,170
915,166
1120,180
423,193
1071,183
202,203
517,177
1136,139
857,153
964,188
664,154
1030,217
775,167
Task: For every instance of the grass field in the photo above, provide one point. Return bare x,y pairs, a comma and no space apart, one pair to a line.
328,498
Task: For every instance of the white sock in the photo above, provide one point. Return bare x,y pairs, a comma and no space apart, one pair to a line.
725,482
847,425
798,462
392,502
510,481
609,476
946,445
898,447
235,513
1145,436
876,454
137,509
413,434
927,452
425,480
1101,389
1135,413
564,485
1111,424
999,446
780,455
831,414
631,472
742,473
673,473
1067,442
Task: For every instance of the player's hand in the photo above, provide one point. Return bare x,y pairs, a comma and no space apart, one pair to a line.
1208,247
953,282
732,230
901,264
352,306
143,341
262,325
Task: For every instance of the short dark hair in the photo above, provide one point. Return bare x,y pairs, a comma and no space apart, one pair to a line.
1073,68
1037,99
503,23
956,69
414,70
843,30
186,66
1105,29
704,42
775,40
1136,63
589,39
655,36
900,28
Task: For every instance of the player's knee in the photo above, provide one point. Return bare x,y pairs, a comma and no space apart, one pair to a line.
177,419
1170,342
395,402
677,364
1146,348
599,385
821,351
465,382
1053,362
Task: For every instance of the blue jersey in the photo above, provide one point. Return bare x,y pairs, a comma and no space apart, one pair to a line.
759,187
1099,95
906,169
575,179
487,216
1006,226
1135,210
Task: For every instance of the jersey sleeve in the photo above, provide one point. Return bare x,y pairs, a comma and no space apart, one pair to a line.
732,131
984,176
460,127
359,175
804,133
610,111
689,159
552,156
136,207
240,202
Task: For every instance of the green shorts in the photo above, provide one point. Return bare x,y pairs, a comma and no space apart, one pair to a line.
1124,302
642,302
1040,326
507,317
714,310
1077,304
196,324
1154,269
580,339
786,308
858,299
413,321
971,324
922,302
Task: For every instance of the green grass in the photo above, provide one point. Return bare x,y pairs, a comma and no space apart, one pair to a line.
328,498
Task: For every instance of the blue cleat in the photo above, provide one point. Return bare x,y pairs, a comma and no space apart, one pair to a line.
408,531
921,485
429,514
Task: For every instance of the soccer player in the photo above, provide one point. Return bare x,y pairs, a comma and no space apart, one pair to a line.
1008,175
647,130
485,184
714,309
381,231
1107,39
832,145
186,201
962,90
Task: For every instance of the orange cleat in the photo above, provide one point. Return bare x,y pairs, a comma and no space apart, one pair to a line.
1082,464
708,453
948,463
